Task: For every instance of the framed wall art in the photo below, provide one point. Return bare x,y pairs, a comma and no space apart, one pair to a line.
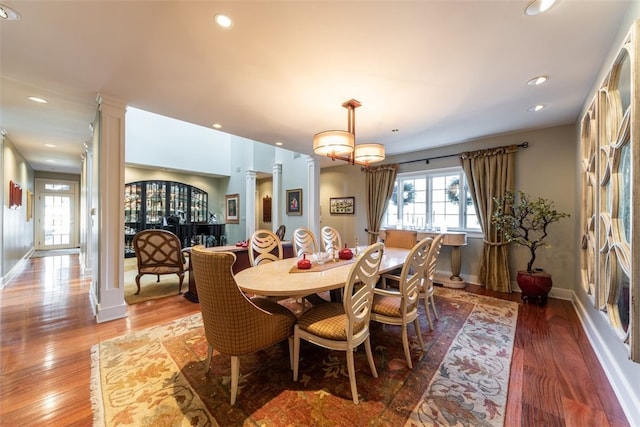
232,208
294,202
342,205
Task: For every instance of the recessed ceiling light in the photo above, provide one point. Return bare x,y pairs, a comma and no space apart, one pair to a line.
537,80
223,20
38,100
536,108
217,125
537,7
279,144
50,145
50,161
9,14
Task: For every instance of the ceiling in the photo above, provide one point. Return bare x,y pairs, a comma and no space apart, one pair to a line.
437,72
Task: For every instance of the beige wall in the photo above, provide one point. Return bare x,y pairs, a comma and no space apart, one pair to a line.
545,169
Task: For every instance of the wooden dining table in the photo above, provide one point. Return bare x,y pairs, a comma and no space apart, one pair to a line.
277,279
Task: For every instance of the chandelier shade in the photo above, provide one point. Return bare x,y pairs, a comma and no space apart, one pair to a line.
369,153
333,142
341,145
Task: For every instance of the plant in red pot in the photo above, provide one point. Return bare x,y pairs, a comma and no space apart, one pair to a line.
345,253
524,221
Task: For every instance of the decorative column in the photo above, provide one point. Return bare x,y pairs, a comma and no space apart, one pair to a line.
107,194
313,199
276,206
250,203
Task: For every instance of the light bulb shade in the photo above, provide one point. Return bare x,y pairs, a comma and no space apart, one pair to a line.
333,142
369,153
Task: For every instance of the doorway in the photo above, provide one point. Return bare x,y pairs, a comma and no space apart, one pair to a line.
56,202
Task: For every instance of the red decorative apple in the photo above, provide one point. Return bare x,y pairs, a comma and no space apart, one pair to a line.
345,253
304,263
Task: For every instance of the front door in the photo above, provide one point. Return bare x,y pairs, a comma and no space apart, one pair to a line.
55,211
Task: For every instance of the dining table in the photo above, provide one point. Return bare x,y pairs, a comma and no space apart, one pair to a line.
282,278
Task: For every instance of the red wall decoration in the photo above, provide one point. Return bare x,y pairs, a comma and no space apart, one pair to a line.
15,195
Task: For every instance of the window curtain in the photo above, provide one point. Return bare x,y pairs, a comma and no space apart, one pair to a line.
379,187
489,174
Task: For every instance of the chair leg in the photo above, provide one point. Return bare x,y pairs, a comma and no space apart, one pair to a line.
158,281
296,353
138,284
235,373
433,305
209,357
372,365
416,323
427,312
181,277
405,345
352,375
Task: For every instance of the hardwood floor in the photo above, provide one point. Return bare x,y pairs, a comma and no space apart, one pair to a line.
47,330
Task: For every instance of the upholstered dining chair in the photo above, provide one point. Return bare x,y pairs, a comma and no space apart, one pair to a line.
304,242
159,252
400,238
264,246
331,240
427,285
235,325
344,326
400,306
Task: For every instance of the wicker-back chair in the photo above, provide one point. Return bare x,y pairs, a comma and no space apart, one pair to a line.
159,252
234,324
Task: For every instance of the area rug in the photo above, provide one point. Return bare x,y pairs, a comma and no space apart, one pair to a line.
149,287
158,376
54,252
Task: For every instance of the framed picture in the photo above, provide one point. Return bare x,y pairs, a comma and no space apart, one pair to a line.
342,205
294,202
232,208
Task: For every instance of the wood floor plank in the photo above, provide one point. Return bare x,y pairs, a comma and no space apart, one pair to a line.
47,330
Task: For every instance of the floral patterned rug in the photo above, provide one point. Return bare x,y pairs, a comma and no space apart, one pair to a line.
157,377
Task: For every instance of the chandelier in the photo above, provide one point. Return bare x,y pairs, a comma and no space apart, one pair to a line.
341,145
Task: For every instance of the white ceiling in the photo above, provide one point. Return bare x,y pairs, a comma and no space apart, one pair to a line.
440,72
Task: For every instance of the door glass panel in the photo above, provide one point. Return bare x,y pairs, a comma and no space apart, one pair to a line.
57,220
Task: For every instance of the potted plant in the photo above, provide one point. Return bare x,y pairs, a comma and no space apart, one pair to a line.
524,221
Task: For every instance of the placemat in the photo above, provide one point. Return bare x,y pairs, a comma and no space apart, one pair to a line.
322,267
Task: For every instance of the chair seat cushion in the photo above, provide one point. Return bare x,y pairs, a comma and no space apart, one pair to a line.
328,321
386,305
161,269
274,308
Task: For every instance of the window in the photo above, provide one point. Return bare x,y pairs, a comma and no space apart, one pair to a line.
432,200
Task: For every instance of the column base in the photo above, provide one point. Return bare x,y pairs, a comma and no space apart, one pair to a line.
450,281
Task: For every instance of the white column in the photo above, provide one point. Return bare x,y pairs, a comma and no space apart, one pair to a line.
276,205
86,220
250,203
107,206
313,199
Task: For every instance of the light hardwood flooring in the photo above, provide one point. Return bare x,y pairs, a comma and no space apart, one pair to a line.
47,330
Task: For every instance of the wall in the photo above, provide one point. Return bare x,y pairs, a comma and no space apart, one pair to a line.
17,233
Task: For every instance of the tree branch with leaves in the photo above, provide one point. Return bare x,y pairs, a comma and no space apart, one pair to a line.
524,221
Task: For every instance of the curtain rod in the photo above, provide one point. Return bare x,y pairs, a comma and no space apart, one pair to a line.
426,160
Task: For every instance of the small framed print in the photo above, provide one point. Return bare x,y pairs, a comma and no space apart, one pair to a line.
294,202
342,205
232,208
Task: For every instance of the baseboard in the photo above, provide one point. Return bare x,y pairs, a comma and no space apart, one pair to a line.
11,274
627,396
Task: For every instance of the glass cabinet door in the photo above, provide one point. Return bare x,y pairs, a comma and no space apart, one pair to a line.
132,214
178,201
199,205
156,194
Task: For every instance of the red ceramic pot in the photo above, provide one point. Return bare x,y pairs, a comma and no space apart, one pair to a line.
535,285
345,253
304,263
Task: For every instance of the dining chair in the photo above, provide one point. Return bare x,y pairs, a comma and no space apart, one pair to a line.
280,232
264,246
235,325
400,306
427,284
400,238
344,326
331,240
304,242
159,252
